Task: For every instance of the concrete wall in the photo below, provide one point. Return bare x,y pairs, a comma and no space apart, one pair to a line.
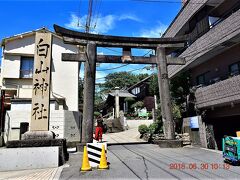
197,136
13,159
65,124
64,74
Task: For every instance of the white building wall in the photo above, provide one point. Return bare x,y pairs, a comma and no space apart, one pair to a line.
23,45
64,74
64,84
23,86
11,66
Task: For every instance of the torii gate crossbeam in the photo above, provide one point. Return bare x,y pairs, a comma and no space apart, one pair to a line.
162,46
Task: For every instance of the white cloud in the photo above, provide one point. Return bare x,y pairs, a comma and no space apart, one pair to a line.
156,31
103,25
76,23
129,17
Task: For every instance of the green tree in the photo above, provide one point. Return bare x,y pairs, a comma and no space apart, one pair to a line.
142,76
153,86
138,105
121,80
179,88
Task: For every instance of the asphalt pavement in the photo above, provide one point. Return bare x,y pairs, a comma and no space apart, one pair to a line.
148,161
128,136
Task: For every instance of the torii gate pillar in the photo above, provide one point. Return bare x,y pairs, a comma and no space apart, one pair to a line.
163,82
88,93
162,47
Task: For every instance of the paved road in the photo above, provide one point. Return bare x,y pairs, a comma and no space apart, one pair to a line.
148,161
128,136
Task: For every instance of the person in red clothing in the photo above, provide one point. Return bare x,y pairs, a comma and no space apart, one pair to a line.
99,129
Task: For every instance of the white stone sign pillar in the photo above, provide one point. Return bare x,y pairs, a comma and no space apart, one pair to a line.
41,82
117,106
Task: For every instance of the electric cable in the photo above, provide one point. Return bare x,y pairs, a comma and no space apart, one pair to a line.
113,68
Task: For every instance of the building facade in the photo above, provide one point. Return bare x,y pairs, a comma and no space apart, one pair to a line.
212,58
142,93
16,83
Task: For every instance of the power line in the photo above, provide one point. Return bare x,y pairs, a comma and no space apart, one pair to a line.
97,13
112,50
127,71
147,52
94,7
113,68
137,69
79,15
89,16
121,65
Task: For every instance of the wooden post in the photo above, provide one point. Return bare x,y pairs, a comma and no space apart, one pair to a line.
163,81
88,93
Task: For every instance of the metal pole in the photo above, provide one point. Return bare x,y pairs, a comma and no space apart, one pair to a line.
163,81
88,93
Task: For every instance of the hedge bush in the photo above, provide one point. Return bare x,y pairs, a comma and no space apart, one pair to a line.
142,129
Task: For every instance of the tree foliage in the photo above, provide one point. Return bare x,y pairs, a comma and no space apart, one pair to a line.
121,80
142,129
153,86
138,105
179,89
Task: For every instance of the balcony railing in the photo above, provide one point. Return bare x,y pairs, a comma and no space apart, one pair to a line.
215,39
26,73
223,92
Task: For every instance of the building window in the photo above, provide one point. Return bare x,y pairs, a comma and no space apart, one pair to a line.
213,21
26,70
136,90
201,79
234,69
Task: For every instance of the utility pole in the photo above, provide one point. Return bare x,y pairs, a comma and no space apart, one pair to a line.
88,23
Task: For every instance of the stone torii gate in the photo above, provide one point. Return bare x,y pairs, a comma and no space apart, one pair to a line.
162,47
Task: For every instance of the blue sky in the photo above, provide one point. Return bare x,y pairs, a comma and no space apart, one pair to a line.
125,18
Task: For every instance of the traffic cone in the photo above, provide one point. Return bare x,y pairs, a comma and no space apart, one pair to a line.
85,162
103,160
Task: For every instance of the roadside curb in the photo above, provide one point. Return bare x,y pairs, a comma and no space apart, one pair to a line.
127,143
57,174
211,150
